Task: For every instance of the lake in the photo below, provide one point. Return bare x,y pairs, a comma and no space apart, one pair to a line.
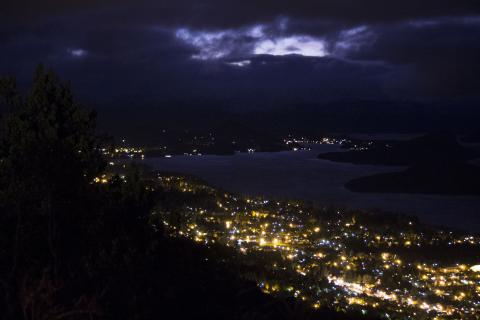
300,175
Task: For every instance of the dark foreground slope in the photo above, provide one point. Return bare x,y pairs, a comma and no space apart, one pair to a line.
185,281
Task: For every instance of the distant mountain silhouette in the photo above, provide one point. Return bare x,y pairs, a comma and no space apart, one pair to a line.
431,148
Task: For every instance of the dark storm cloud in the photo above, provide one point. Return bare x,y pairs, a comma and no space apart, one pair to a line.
222,14
145,52
443,53
421,40
102,60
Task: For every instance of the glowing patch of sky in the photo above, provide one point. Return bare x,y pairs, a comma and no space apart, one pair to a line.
243,63
354,31
300,45
253,40
352,39
256,32
209,44
77,53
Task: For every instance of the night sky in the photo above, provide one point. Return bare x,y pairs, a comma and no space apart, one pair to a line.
141,58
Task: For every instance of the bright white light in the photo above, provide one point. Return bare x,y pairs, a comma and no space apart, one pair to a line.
243,63
475,268
77,53
301,45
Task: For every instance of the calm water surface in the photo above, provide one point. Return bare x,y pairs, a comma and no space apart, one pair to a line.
300,175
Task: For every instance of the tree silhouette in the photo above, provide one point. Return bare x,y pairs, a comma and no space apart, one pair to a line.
48,156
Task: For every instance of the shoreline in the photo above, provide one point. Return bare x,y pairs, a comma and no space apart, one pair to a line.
297,175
